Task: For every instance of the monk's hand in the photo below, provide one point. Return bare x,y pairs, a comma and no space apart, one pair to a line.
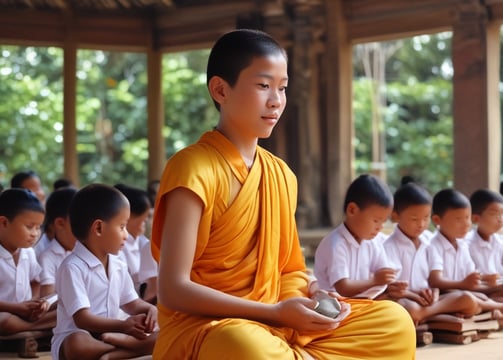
299,314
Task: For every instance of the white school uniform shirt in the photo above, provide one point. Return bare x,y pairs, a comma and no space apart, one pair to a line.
148,266
487,255
411,263
339,256
454,264
131,255
15,280
50,259
82,282
42,244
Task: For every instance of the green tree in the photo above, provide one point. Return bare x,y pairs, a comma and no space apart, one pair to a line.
30,112
418,114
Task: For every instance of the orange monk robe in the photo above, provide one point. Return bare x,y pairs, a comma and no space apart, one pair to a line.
250,248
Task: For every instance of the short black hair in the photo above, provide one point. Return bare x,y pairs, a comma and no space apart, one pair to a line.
58,204
482,198
138,199
410,194
235,50
61,183
448,199
93,202
18,200
19,178
367,190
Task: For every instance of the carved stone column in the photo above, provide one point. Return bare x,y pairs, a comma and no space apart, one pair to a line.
477,129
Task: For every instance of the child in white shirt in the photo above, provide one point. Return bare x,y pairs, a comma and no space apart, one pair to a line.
136,241
450,262
21,308
56,207
351,259
406,249
93,284
485,243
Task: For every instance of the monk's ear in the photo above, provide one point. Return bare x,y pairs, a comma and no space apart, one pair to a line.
217,88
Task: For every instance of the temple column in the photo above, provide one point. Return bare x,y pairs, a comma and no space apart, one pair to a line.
476,103
155,109
71,160
338,125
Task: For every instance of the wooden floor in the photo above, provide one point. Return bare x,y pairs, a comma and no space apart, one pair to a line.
485,349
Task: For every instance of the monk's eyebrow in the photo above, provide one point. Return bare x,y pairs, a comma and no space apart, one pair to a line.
268,76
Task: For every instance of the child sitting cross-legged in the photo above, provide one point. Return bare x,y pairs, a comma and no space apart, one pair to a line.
485,243
21,308
451,266
93,284
351,259
406,249
56,216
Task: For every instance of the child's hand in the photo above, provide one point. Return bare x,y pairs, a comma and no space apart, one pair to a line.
491,279
427,296
151,319
135,326
40,307
30,310
384,276
397,289
472,281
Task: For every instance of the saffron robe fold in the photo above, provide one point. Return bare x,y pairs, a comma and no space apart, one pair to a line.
247,248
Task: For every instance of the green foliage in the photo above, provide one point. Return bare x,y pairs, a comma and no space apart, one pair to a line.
30,112
189,108
418,117
111,115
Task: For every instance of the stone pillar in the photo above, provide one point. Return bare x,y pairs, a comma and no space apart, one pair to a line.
476,104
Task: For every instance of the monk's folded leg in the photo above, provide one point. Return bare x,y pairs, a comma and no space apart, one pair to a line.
244,340
378,330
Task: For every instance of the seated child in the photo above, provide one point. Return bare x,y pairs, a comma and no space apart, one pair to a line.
351,259
92,285
21,308
131,253
451,266
406,251
485,244
56,215
31,181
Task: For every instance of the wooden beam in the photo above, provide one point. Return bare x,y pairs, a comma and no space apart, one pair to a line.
377,20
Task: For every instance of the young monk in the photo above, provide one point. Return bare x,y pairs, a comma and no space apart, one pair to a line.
232,278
